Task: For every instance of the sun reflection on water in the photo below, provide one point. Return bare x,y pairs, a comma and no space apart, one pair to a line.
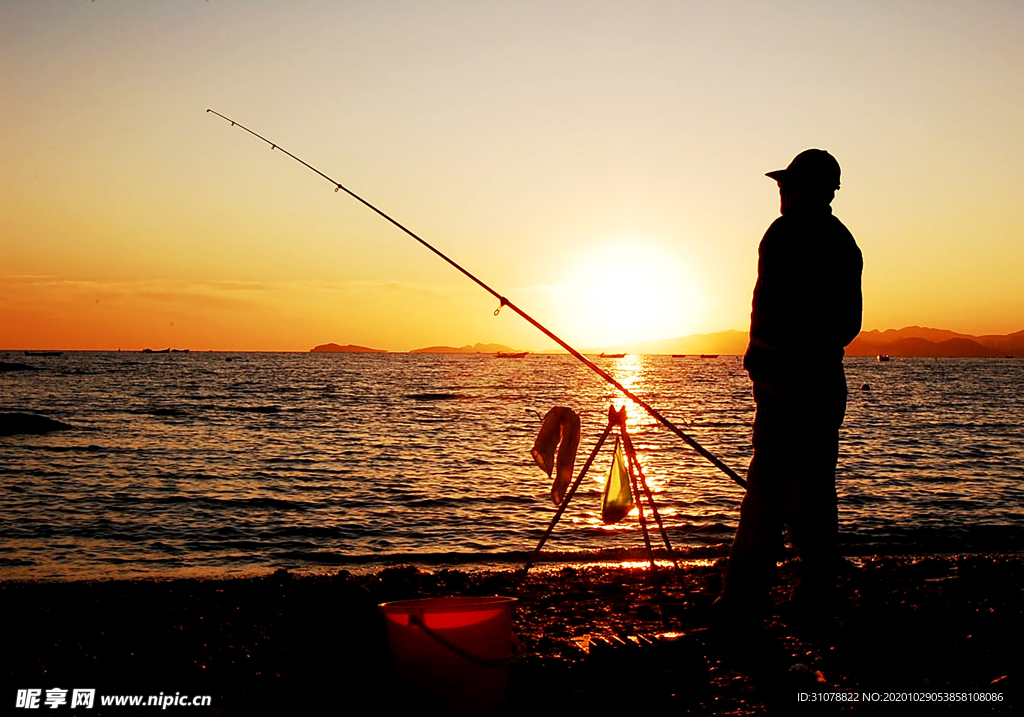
634,372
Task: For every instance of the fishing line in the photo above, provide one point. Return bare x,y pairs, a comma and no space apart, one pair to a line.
503,301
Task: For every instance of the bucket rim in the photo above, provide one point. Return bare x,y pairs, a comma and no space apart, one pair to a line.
446,604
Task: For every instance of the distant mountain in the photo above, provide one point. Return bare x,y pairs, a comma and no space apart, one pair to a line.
722,342
913,346
908,341
923,341
914,332
1007,345
474,349
346,349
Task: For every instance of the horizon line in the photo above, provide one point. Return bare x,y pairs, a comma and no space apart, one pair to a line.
617,348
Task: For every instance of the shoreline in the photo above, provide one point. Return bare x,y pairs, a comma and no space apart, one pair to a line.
605,558
909,623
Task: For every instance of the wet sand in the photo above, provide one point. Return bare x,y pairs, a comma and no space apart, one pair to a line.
948,627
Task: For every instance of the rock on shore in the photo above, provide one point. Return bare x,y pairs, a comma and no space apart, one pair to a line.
6,366
12,424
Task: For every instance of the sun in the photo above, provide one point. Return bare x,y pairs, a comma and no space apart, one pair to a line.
626,291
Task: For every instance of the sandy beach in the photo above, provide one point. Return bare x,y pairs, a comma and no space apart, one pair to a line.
939,629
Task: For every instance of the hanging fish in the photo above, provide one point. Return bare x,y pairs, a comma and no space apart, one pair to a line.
618,499
561,430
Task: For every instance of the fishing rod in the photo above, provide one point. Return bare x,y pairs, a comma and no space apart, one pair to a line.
503,301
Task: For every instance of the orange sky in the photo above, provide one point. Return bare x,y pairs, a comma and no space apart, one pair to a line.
565,152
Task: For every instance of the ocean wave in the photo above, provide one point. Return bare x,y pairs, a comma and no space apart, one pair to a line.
16,562
170,411
245,503
89,448
252,409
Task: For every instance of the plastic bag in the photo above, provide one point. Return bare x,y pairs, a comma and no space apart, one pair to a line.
618,499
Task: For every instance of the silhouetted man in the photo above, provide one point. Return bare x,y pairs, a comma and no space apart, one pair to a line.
806,309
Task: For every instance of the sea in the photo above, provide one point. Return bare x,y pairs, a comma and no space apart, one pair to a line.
235,464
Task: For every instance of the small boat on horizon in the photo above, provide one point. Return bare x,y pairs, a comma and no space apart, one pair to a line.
709,355
613,355
883,357
503,354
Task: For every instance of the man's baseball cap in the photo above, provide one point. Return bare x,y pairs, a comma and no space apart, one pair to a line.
811,168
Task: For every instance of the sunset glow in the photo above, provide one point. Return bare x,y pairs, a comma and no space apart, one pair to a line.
627,291
604,169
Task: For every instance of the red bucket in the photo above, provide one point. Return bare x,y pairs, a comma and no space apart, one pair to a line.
452,652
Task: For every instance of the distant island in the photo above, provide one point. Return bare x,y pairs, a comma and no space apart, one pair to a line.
474,349
353,349
346,349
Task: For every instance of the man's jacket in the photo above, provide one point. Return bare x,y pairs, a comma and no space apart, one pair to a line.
807,302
